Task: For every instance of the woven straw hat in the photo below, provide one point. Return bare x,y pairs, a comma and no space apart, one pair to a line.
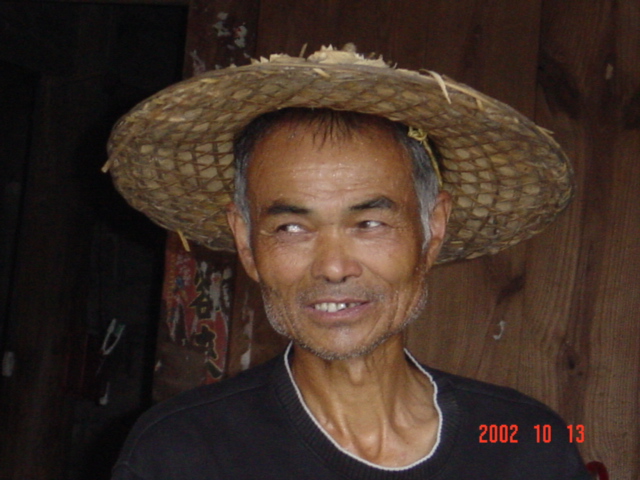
172,156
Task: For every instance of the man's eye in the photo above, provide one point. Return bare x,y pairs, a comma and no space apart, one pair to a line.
290,228
368,224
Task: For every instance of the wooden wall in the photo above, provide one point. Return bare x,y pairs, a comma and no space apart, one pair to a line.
555,316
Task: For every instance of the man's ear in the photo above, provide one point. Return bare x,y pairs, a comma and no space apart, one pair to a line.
241,234
438,225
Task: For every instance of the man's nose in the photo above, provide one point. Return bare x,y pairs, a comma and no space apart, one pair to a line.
334,259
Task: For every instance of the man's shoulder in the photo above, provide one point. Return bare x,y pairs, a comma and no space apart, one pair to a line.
194,423
499,400
506,431
479,387
203,403
224,391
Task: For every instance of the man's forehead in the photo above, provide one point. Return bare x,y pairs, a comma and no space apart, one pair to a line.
293,169
292,136
322,131
327,123
302,147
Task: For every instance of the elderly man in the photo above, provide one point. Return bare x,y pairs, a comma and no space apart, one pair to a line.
338,215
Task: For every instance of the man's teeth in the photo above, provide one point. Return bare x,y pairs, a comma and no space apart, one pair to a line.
332,307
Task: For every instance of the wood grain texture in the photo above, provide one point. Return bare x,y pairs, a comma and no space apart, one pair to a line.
588,87
487,44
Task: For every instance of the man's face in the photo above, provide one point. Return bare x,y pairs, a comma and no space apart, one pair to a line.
336,239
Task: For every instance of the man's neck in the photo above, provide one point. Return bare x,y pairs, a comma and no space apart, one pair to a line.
378,407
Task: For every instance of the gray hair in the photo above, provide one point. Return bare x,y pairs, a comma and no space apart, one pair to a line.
334,124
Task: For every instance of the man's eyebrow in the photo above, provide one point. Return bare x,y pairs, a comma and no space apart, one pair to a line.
281,208
381,202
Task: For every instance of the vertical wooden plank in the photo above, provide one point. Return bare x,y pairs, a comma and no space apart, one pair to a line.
589,90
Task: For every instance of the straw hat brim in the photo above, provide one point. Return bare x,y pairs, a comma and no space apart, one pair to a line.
172,156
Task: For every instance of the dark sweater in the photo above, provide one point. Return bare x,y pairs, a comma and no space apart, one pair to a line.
255,426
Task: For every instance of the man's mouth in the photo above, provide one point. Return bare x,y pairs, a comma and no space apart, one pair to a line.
332,307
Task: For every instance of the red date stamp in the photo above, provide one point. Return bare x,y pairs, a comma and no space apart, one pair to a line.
509,433
498,433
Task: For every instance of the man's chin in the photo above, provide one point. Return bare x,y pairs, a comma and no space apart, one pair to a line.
333,354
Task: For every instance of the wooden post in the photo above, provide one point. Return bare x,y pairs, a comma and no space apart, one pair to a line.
589,94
